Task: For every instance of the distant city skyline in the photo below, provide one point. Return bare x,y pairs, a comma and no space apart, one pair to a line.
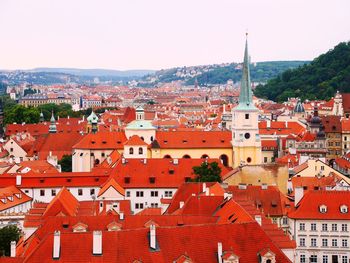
157,34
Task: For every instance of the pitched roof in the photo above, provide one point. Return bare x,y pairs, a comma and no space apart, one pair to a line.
135,140
194,139
11,196
102,140
309,206
111,183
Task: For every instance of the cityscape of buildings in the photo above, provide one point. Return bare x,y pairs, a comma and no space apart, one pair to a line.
134,192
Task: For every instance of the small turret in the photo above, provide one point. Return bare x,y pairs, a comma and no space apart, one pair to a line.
42,119
52,127
93,121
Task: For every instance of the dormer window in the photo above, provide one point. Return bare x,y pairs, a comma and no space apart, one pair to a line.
343,209
323,209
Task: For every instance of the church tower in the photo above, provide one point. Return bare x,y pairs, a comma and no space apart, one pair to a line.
245,131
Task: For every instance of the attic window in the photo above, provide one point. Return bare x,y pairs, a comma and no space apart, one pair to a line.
171,171
152,180
69,180
184,141
10,198
323,209
343,209
127,180
273,203
119,142
104,142
165,141
97,179
334,128
93,142
41,180
258,203
222,141
204,141
187,179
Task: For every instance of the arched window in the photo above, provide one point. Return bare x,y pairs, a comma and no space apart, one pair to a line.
167,156
205,156
142,138
224,159
97,162
151,138
186,156
131,150
140,150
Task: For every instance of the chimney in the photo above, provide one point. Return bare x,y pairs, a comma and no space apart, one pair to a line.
153,242
204,185
123,160
97,243
207,191
263,186
121,215
219,252
182,203
13,249
56,245
145,161
298,194
268,123
242,186
176,161
258,219
18,179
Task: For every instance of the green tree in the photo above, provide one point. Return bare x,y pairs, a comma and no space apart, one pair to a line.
207,172
8,234
66,163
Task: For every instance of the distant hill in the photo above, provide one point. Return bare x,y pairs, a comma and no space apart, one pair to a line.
219,73
319,79
96,72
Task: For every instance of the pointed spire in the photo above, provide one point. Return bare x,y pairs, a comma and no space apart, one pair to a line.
246,94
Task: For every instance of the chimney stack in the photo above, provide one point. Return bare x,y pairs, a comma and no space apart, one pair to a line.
204,187
18,179
207,191
13,249
182,204
219,252
56,245
121,215
153,242
97,243
298,194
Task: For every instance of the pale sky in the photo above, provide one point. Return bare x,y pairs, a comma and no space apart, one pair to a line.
155,34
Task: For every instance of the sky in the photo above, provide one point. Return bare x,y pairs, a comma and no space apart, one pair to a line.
157,34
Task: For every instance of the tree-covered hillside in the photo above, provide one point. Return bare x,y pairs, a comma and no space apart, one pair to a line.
318,80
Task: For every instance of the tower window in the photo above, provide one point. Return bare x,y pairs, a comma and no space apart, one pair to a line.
247,135
247,116
249,160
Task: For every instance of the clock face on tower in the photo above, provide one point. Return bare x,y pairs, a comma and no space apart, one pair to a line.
247,135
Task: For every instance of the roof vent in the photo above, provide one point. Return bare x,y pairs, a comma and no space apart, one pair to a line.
176,161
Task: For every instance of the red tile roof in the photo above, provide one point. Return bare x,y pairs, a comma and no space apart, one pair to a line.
135,140
102,140
11,196
309,206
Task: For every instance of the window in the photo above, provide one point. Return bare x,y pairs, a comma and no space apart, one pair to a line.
127,193
168,193
131,150
324,259
302,259
154,205
285,220
53,192
80,191
42,192
344,227
138,205
103,155
313,226
247,135
302,242
324,227
334,243
247,116
140,150
154,193
302,226
323,209
313,242
325,242
322,168
139,193
313,258
265,159
344,259
92,191
127,180
334,227
344,243
343,209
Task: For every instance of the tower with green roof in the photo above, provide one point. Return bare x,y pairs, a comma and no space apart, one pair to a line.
245,130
